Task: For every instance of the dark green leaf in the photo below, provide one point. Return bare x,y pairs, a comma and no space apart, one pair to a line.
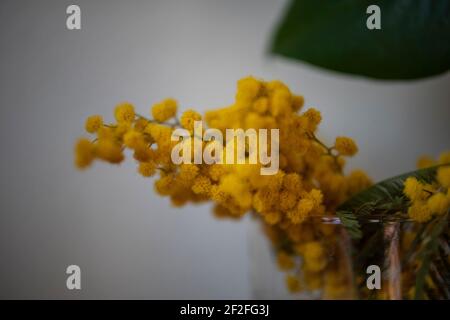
413,41
349,220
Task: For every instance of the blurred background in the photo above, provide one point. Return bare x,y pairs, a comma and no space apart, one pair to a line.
129,242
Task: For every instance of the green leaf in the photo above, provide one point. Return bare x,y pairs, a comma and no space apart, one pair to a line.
413,41
349,220
385,194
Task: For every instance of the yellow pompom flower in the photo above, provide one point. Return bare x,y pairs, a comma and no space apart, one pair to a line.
272,217
124,112
285,261
293,283
147,169
346,146
247,89
288,200
358,181
261,105
292,182
425,162
413,189
312,119
301,212
105,133
316,197
164,185
313,280
84,153
109,151
122,128
164,110
216,171
202,185
188,118
315,257
93,123
188,172
280,103
438,203
444,158
140,124
297,102
443,176
133,139
420,212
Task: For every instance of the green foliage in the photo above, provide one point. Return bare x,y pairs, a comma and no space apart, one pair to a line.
349,220
413,41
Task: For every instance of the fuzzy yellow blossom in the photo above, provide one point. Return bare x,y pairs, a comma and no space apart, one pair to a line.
147,169
438,203
109,151
188,172
248,89
357,181
261,105
202,185
315,257
316,197
216,171
164,110
293,283
159,133
164,184
292,182
345,146
133,139
143,153
425,162
313,280
414,189
121,129
124,112
272,217
288,200
84,153
105,133
444,158
297,102
313,118
285,261
301,212
443,176
280,102
93,123
188,118
420,212
140,124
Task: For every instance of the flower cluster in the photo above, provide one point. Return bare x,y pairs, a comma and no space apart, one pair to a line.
310,183
428,200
